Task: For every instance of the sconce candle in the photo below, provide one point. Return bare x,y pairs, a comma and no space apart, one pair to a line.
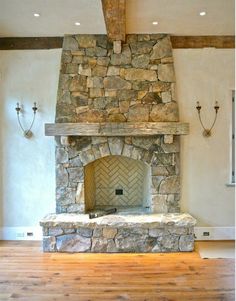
207,132
27,133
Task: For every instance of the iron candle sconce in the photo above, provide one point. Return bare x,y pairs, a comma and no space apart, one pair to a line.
207,131
27,133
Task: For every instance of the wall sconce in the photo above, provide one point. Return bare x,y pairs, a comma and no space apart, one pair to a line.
27,133
207,132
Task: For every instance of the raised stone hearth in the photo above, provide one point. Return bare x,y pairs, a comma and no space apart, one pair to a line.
117,135
118,233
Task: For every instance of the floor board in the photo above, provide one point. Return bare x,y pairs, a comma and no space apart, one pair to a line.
28,274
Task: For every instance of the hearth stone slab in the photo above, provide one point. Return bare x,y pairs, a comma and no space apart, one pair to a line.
148,233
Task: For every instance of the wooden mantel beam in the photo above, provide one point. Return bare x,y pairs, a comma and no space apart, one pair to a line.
114,15
117,129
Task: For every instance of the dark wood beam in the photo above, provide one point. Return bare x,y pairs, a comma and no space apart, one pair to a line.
31,43
177,42
202,41
114,15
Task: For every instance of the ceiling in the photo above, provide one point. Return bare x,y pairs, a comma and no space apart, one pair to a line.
57,17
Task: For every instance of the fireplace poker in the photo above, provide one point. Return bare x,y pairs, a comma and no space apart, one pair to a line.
102,213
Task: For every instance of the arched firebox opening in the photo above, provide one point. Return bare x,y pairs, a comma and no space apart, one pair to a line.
117,182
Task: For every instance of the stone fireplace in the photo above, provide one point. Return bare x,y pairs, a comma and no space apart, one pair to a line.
117,145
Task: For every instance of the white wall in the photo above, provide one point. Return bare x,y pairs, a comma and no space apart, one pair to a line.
206,75
27,166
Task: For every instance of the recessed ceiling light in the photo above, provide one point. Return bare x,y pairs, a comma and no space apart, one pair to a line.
202,13
77,23
36,15
154,23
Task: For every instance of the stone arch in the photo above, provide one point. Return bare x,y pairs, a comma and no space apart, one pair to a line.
117,147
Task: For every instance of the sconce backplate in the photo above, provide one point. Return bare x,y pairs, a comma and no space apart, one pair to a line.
28,134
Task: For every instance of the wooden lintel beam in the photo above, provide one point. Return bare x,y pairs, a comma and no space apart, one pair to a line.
202,41
177,42
30,43
114,15
117,129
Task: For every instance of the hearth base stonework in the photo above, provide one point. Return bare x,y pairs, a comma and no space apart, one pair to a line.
118,233
138,171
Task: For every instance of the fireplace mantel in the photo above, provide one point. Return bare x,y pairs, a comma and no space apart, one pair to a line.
117,129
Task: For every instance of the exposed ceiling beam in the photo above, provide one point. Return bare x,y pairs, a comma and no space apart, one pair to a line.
177,42
31,43
114,15
203,41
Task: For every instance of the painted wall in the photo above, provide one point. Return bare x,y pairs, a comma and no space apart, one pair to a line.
206,75
27,166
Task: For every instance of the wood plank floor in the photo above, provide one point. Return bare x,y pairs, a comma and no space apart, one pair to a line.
28,274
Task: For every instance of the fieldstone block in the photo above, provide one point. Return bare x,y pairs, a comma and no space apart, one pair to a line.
160,87
103,61
186,243
78,83
163,48
91,116
61,155
76,174
151,98
76,208
115,145
49,244
124,106
62,175
109,232
115,82
101,245
141,47
137,153
166,73
170,185
169,243
112,71
156,232
104,149
143,142
65,195
73,243
138,112
79,198
78,59
86,41
99,71
166,97
140,74
116,118
86,232
84,70
69,43
87,156
71,69
140,61
159,204
124,58
127,150
55,231
164,112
